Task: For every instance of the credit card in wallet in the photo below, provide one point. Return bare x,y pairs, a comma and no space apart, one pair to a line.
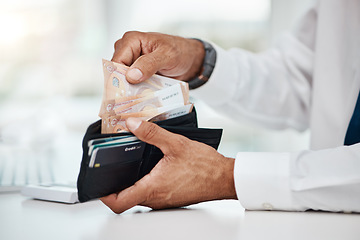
126,139
107,155
106,139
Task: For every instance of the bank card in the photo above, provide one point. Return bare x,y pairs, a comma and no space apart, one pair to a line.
106,139
123,140
121,153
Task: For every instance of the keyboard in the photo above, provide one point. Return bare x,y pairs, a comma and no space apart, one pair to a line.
19,169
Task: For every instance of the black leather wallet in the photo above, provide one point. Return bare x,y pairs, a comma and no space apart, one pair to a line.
101,181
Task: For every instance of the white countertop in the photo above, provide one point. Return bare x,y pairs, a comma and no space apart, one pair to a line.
24,218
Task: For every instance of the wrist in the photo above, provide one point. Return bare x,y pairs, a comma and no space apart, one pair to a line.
229,183
198,52
223,184
207,67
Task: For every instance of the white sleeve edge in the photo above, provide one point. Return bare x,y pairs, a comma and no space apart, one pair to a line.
262,181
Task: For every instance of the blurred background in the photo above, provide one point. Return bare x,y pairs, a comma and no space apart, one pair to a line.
51,78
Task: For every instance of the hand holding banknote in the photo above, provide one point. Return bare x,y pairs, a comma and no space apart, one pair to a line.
150,53
155,98
190,172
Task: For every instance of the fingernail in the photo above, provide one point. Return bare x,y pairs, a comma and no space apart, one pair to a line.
133,123
134,74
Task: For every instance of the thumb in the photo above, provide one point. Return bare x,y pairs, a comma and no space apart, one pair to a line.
145,66
152,134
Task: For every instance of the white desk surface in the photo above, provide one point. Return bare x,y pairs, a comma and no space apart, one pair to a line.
24,218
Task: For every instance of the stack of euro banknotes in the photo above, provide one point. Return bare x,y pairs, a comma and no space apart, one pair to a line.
158,98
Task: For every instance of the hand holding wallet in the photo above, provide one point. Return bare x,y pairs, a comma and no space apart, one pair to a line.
123,171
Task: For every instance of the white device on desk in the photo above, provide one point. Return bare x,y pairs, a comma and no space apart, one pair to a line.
34,177
17,172
52,192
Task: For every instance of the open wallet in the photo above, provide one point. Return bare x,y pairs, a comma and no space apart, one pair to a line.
111,169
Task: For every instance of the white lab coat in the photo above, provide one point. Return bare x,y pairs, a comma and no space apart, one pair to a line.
310,79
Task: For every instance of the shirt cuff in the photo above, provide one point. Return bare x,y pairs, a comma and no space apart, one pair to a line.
262,181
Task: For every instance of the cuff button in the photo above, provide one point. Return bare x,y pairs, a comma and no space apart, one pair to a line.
267,206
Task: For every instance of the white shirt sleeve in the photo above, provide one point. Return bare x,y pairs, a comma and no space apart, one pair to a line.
272,88
326,179
275,89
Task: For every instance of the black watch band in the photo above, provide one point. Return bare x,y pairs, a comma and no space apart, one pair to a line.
207,67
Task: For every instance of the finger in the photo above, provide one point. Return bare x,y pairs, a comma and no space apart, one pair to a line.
127,198
154,135
126,52
145,66
142,67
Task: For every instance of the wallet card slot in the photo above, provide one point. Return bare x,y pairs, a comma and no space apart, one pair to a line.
102,181
211,137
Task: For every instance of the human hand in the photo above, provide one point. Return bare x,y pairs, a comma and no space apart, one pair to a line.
190,172
150,53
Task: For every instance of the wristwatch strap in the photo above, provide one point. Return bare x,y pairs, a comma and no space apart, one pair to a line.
207,67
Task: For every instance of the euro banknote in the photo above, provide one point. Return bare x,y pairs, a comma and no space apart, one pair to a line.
116,123
164,97
118,90
155,99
